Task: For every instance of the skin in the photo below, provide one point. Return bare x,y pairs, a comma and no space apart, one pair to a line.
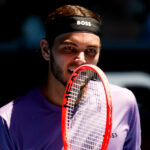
69,51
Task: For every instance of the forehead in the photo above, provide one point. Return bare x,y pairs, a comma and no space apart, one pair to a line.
79,38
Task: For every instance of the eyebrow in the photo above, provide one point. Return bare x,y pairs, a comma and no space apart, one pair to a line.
69,42
74,44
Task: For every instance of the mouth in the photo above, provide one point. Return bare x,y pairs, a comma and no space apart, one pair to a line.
71,70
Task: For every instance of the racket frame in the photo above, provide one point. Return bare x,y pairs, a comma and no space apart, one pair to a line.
106,86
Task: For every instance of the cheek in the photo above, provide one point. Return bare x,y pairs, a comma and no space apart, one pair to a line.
60,60
94,60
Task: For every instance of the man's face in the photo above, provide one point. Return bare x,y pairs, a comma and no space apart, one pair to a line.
72,50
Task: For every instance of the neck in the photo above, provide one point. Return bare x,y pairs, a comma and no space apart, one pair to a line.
53,90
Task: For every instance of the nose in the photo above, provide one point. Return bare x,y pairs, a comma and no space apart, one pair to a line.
80,58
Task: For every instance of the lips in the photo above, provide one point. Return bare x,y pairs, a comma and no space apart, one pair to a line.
71,70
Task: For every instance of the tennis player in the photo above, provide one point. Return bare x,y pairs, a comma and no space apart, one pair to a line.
33,121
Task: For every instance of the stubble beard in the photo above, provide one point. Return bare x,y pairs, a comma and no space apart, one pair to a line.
56,71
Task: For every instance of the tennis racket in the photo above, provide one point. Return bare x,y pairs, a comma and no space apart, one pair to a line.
87,110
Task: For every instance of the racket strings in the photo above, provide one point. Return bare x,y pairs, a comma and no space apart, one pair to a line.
86,111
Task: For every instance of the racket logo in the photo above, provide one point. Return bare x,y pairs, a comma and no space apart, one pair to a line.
67,94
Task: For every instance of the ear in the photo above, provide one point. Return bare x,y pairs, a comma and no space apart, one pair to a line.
45,50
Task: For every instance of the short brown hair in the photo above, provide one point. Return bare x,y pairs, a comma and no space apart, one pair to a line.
72,10
67,11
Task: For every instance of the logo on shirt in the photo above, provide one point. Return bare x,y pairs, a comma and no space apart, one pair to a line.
114,135
84,23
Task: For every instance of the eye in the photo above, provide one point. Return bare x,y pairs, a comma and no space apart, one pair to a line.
68,49
91,51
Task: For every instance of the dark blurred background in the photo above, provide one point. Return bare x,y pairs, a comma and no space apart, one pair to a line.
124,57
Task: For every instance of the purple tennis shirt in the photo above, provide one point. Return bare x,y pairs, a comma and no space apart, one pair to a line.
32,123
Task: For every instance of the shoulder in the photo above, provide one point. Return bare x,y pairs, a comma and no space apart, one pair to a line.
124,101
122,94
19,103
6,110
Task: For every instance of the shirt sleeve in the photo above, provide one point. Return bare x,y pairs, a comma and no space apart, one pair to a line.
5,139
133,139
